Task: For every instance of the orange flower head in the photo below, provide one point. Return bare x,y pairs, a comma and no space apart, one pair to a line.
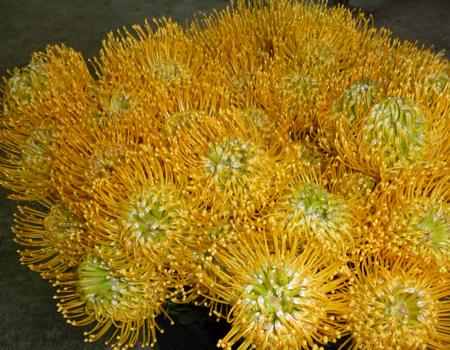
397,304
312,211
280,297
100,291
150,216
395,134
59,238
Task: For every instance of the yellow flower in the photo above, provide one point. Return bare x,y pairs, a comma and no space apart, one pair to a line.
281,297
58,238
313,206
103,290
88,155
399,303
34,107
412,218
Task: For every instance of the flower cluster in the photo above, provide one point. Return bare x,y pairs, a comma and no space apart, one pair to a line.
283,164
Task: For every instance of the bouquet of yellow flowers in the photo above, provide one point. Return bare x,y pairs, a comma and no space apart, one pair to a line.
282,164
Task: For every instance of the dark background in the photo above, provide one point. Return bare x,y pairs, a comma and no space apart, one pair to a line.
28,316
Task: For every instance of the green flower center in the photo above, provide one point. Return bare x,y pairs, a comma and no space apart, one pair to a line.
258,117
29,79
312,211
321,54
185,121
276,292
396,128
438,81
61,225
402,303
399,311
113,104
437,229
227,158
98,285
119,102
300,84
35,150
389,309
150,213
361,93
166,70
314,202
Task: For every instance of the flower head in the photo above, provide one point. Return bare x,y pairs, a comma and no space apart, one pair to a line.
398,304
102,291
412,218
280,297
58,238
395,134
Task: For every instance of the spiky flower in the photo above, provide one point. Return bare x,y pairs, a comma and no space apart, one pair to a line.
312,206
101,291
229,168
281,298
24,85
401,126
32,164
151,219
361,93
87,156
395,134
58,239
237,173
314,212
398,304
227,158
435,225
28,129
349,107
25,136
414,219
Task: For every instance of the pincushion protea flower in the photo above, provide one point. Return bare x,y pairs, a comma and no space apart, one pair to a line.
253,164
33,108
101,291
156,67
59,239
24,83
411,218
314,206
228,169
349,107
395,133
312,211
145,214
97,154
398,304
281,296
